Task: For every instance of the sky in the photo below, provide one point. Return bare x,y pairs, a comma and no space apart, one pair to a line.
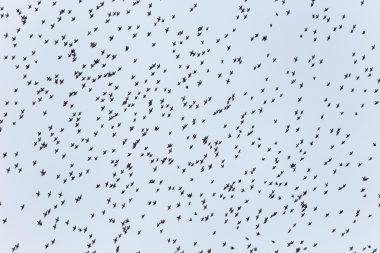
222,115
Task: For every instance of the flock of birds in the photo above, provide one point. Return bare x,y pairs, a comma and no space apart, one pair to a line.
176,126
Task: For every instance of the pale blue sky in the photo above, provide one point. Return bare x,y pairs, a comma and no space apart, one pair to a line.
278,97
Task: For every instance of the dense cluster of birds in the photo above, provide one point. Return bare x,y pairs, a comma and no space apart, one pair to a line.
178,126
